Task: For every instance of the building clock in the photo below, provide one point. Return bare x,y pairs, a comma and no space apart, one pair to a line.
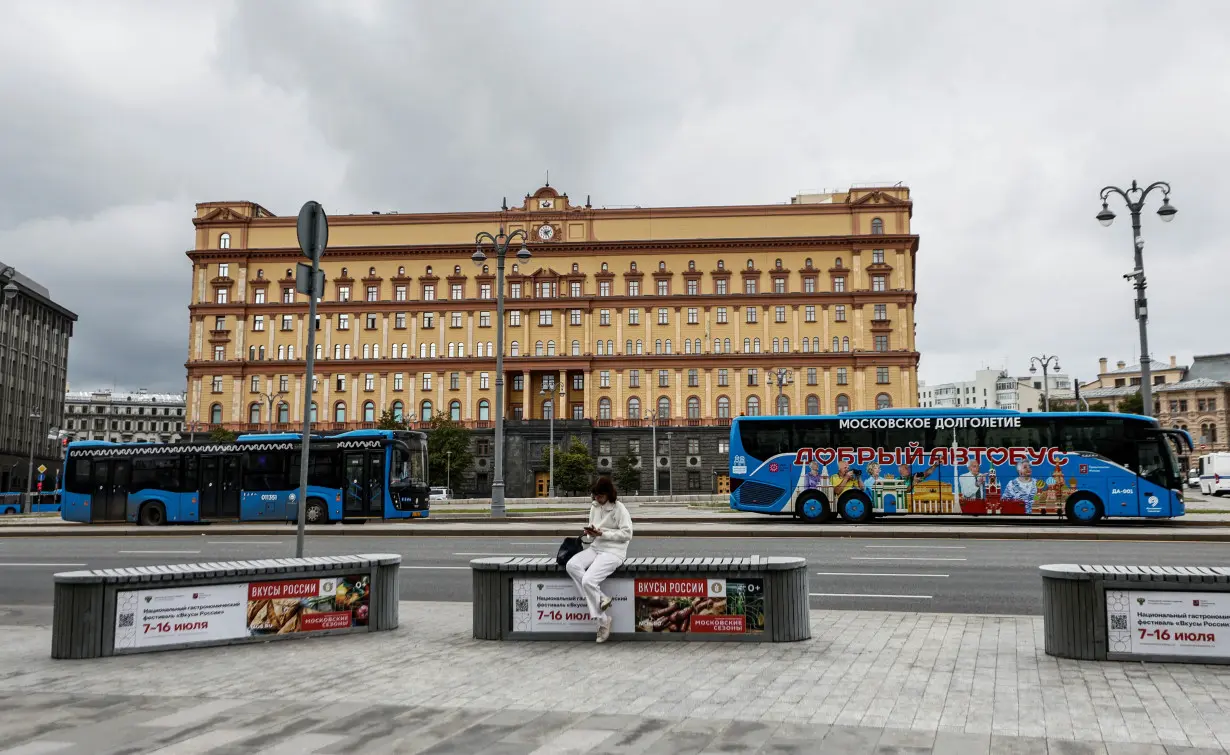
546,232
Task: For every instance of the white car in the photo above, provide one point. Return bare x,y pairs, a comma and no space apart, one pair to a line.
440,494
1193,478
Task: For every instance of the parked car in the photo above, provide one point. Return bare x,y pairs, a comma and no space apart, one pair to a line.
441,494
1193,478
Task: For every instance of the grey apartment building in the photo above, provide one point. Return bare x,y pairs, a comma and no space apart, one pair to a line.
34,333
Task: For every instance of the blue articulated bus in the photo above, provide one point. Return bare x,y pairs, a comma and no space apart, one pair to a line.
1081,465
363,474
42,503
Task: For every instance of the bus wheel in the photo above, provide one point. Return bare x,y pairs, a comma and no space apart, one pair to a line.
152,515
317,512
855,508
813,508
1084,509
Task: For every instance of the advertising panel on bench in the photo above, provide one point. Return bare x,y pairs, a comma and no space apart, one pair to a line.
552,604
212,613
1168,623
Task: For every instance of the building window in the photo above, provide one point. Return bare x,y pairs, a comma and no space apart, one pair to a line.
878,283
634,378
258,296
604,288
258,323
753,406
663,288
839,284
425,411
216,384
663,316
749,285
884,401
343,322
783,405
723,377
219,353
839,313
693,316
373,293
634,316
779,314
398,381
842,378
753,376
877,227
371,322
664,378
881,343
881,312
843,403
574,317
882,376
751,314
429,292
877,256
634,288
723,407
809,313
215,414
484,411
845,343
429,320
544,317
693,378
426,382
811,376
693,286
604,379
664,412
399,293
454,410
813,404
779,285
288,296
339,411
719,286
634,408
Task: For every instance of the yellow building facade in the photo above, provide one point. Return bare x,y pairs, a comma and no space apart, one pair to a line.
676,313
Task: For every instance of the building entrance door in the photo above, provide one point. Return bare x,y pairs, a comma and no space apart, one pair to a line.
541,484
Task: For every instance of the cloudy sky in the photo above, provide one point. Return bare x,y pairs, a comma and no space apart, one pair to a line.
1004,118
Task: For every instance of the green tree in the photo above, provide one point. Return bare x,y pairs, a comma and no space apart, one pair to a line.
627,476
222,435
1099,406
448,450
1132,404
574,467
389,422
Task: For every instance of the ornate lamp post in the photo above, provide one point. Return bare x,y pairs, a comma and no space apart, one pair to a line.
1135,199
781,377
1045,362
499,243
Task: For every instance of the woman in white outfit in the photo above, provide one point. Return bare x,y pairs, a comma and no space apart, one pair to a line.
608,533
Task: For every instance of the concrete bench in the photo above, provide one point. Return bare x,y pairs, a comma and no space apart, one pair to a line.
148,608
1137,613
751,599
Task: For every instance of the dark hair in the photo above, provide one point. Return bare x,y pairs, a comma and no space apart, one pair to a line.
605,487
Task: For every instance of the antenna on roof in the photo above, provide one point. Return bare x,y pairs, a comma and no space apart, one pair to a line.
504,204
548,178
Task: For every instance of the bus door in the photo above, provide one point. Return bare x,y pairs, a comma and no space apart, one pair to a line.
220,487
364,472
109,480
1152,468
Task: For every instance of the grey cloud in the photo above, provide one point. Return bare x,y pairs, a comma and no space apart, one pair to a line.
1005,119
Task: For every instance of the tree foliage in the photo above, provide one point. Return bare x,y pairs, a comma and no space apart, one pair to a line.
222,435
574,467
445,436
389,421
1132,404
627,477
1073,406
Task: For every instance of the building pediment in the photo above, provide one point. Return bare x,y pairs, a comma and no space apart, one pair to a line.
878,197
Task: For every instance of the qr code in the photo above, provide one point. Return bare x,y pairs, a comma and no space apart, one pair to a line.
1118,621
126,620
522,605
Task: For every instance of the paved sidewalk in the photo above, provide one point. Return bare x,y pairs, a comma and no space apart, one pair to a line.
867,682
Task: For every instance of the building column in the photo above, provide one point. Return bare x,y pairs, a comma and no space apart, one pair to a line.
617,411
527,402
709,407
468,411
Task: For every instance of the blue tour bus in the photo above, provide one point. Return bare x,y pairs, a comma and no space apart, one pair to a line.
1082,465
46,502
362,474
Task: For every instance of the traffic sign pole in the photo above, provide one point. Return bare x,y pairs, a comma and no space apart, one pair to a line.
313,233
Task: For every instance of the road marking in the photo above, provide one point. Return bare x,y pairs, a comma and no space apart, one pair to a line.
866,595
872,574
434,567
904,558
245,542
20,565
161,553
951,547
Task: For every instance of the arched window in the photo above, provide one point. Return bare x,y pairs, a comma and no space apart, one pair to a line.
664,408
691,264
514,349
807,263
604,267
484,410
753,406
777,263
687,346
640,348
751,264
399,411
601,349
786,345
452,349
884,401
783,405
845,343
281,351
367,351
837,263
401,270
696,345
843,403
454,410
723,407
747,346
634,408
425,411
657,346
490,350
777,344
346,273
260,353
346,351
669,350
313,413
215,414
422,350
224,241
575,267
283,412
254,414
755,345
632,267
877,226
806,346
836,343
538,349
721,265
815,344
431,350
693,407
726,345
550,348
610,348
456,270
717,346
369,411
576,348
628,346
251,353
813,404
339,411
320,351
604,408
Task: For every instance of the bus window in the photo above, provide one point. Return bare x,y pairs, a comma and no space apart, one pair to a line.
762,440
191,463
1107,438
264,471
155,474
812,434
77,479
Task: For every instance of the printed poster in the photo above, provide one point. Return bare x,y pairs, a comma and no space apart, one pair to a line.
552,604
211,613
726,606
1168,623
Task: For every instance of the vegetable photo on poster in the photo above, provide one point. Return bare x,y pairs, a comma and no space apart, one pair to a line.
725,606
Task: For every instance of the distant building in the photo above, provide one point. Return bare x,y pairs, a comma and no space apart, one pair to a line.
994,389
34,333
139,417
1198,402
1112,386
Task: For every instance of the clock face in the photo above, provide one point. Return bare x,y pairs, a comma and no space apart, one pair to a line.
546,232
545,204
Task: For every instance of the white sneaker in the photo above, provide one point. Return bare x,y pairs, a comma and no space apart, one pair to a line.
604,629
604,604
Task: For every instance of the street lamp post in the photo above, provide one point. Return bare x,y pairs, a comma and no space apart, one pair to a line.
670,470
1046,362
499,243
271,397
1135,199
448,470
35,416
550,406
11,290
781,377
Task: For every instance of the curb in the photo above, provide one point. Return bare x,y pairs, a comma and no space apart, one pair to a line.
542,530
